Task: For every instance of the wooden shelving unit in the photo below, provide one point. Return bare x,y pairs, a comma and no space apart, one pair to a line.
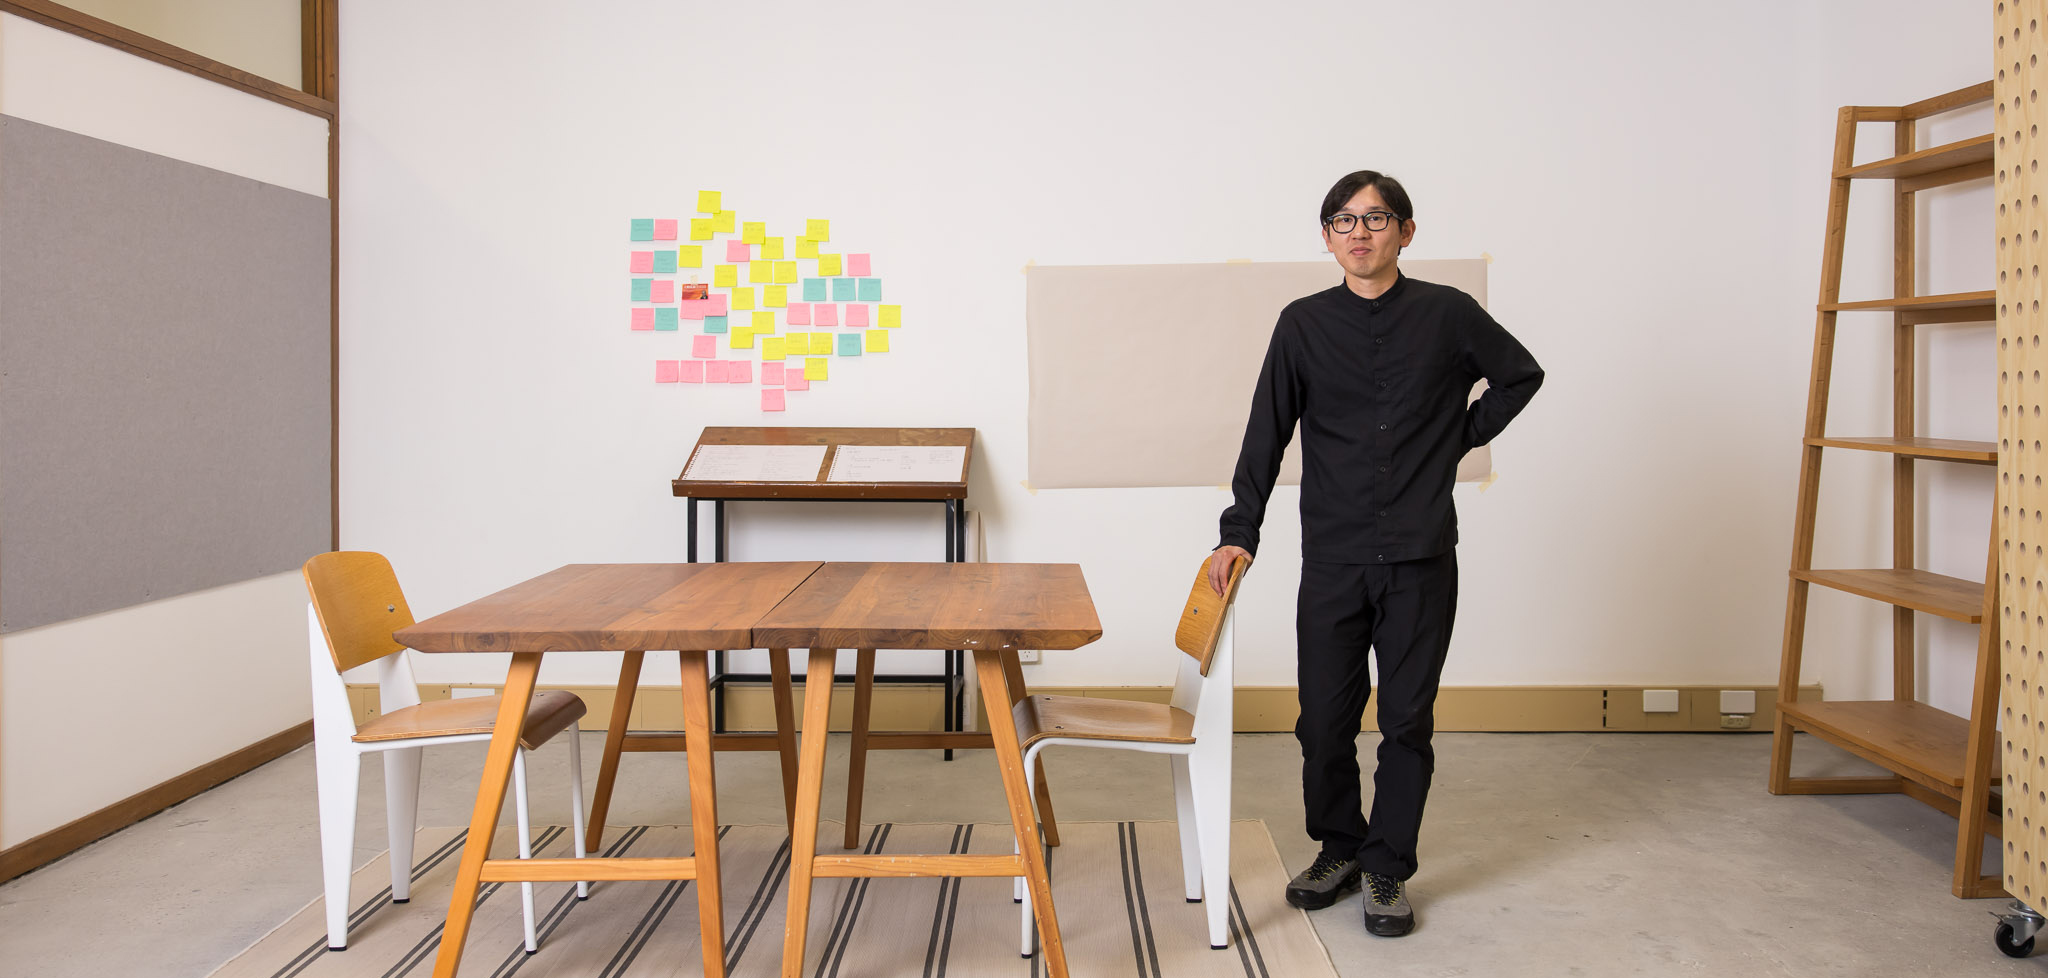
1945,760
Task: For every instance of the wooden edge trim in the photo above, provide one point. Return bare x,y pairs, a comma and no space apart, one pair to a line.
75,835
1961,97
170,55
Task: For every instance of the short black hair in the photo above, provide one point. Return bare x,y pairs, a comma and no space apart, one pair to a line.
1390,190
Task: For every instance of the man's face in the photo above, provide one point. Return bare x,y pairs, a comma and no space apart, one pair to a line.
1368,254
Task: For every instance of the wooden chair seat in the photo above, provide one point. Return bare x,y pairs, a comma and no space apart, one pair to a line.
1088,718
550,713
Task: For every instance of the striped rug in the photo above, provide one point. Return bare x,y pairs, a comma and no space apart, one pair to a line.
1117,886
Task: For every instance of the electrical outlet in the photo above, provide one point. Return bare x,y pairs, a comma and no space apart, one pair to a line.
1735,721
1028,657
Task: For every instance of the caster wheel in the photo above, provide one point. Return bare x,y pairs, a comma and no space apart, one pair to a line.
2012,948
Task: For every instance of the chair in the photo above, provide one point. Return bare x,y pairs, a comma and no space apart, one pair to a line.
356,605
1194,731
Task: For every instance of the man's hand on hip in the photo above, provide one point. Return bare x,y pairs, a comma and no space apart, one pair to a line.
1220,563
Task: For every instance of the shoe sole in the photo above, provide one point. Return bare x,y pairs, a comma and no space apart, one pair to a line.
1311,900
1400,929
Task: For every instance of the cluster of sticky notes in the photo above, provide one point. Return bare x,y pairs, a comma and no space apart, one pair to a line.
703,372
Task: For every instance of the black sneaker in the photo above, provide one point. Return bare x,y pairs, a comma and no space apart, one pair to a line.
1387,913
1319,885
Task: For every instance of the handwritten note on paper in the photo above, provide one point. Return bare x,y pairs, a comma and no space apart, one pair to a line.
714,324
717,307
724,221
664,262
755,463
725,276
743,297
753,232
878,340
693,372
700,229
814,368
771,349
771,247
898,463
643,319
785,272
760,272
818,229
857,265
828,265
771,400
707,201
690,256
739,371
849,344
665,319
695,308
664,290
891,316
825,315
775,296
643,263
821,345
845,290
667,372
870,290
806,248
715,372
703,347
814,290
764,321
793,379
664,229
737,250
643,229
642,289
771,371
799,314
857,315
740,338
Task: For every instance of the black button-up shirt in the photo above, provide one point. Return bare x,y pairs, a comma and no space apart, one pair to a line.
1379,389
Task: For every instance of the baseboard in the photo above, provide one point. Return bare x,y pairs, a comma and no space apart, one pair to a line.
1259,709
75,835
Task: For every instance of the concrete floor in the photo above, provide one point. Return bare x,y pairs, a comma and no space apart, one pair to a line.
1543,854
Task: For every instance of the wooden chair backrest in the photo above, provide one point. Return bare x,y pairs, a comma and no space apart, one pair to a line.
357,598
1201,619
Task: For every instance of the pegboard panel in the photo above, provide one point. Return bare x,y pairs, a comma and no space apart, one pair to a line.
2022,533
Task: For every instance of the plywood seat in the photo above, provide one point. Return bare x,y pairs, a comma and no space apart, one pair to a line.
1088,718
550,713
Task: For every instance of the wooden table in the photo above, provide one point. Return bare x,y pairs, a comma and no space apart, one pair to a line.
994,610
608,607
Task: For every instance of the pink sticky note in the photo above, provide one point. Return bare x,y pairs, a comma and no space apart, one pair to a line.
771,374
857,265
665,372
715,372
737,250
794,380
664,290
643,319
696,308
717,305
771,400
703,347
739,372
664,230
856,314
825,314
643,262
799,314
692,372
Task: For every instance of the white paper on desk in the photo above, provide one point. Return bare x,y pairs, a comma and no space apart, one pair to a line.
755,463
898,463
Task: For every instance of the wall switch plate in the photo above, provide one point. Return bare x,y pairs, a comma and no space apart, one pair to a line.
1735,721
1660,701
1738,701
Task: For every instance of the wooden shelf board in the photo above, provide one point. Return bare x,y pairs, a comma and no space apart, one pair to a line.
1943,449
1910,738
1936,594
1934,159
1909,303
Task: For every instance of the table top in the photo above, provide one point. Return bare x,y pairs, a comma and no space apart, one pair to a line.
819,488
935,606
616,607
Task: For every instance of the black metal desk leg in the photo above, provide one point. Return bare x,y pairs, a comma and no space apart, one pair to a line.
690,504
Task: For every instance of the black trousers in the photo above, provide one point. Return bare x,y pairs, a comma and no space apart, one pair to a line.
1403,614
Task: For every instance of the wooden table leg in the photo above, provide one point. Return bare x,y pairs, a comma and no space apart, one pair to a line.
1013,671
785,729
988,664
803,830
490,802
614,742
857,744
703,808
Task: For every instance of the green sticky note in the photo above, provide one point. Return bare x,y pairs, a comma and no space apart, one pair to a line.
754,232
814,290
725,276
845,290
878,341
821,344
643,289
828,265
891,317
724,221
818,230
707,201
700,229
667,318
743,297
760,272
643,229
690,256
806,248
870,290
771,247
849,344
714,324
664,262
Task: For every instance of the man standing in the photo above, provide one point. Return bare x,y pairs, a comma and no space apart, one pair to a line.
1376,371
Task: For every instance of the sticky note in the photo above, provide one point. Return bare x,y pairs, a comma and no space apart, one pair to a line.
716,307
703,347
814,290
771,372
771,248
878,340
642,288
700,229
643,229
643,318
785,272
725,276
714,324
739,372
821,345
828,264
891,316
771,349
724,221
806,248
845,290
777,296
818,230
740,338
665,319
849,344
695,308
799,314
793,379
643,262
856,315
764,321
664,229
870,290
771,400
754,232
715,372
743,297
857,265
692,371
760,272
664,290
825,315
707,201
667,372
737,250
814,369
690,256
665,262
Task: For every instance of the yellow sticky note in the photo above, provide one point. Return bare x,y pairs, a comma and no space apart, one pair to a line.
891,316
707,201
743,297
742,337
690,256
828,265
724,221
700,229
764,321
814,368
818,230
771,348
877,341
754,232
771,248
806,248
725,276
760,272
799,344
785,272
821,344
778,296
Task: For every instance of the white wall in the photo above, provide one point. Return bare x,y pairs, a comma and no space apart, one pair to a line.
1650,179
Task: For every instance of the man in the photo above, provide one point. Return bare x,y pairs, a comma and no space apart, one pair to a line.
1376,371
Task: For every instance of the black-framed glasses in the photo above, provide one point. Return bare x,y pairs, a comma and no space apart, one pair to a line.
1374,221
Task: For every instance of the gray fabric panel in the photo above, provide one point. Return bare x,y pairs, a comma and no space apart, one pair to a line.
164,417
